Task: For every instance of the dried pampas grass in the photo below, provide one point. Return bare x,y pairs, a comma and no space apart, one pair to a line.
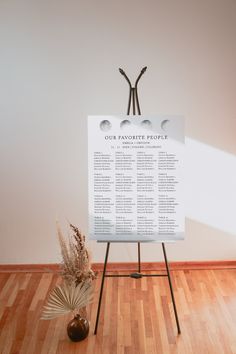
76,266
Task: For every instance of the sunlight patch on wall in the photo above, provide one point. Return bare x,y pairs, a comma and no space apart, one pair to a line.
210,180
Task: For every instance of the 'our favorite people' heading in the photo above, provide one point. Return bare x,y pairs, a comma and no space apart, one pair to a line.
135,137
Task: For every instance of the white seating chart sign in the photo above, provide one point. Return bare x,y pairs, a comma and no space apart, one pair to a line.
135,166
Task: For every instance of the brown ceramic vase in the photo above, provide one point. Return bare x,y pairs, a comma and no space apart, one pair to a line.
78,328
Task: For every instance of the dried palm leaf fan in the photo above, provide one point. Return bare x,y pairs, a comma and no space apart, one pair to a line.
66,298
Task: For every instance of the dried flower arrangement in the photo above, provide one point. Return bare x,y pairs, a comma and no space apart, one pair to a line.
75,293
76,266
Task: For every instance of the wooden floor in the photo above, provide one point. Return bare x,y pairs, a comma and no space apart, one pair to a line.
136,316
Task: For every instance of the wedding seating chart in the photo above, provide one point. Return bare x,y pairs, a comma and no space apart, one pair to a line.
135,170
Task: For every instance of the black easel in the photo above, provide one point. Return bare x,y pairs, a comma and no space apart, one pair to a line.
133,97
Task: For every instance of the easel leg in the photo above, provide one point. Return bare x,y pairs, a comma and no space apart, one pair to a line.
139,258
171,289
101,290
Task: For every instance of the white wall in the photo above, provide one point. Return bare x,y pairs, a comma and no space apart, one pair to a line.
59,62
